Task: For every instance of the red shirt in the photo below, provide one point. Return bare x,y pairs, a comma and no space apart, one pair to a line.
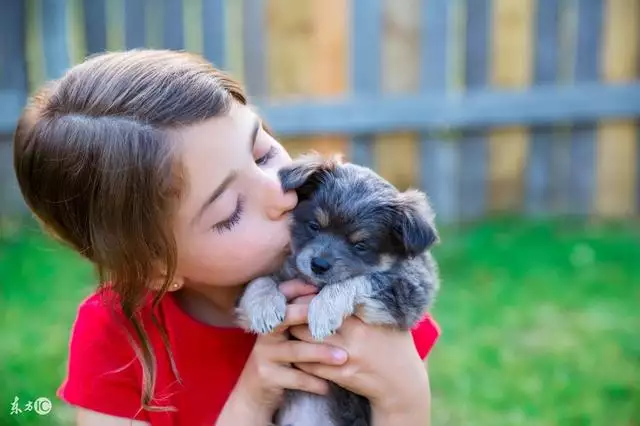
104,374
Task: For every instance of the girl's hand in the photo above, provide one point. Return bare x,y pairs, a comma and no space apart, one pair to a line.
383,366
268,370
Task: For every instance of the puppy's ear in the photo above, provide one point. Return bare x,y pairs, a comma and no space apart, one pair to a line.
306,173
414,222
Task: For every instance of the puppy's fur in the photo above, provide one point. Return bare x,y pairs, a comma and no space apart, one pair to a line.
365,245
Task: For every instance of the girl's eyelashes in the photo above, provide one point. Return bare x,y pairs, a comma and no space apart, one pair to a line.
231,221
268,156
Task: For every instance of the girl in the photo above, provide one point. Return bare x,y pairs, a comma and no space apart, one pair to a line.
152,165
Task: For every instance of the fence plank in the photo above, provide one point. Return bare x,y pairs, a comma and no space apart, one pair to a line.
396,155
54,38
95,25
254,47
511,57
477,109
214,31
473,145
135,28
116,38
582,170
366,39
438,157
328,63
290,57
616,143
538,184
13,93
173,30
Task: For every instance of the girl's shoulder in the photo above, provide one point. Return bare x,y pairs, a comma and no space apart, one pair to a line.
102,374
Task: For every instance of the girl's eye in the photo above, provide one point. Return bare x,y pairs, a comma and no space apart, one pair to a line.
314,226
232,220
360,246
268,156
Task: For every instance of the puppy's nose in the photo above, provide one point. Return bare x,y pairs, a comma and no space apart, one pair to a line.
319,265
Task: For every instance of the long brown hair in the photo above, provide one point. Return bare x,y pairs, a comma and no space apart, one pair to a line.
96,164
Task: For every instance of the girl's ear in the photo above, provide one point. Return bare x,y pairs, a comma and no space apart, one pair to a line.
157,283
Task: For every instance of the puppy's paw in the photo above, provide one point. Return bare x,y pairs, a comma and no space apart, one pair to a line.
323,322
263,315
262,308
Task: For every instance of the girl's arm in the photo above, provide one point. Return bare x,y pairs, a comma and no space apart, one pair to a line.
86,417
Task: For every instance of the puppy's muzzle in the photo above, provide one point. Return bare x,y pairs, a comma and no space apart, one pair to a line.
320,265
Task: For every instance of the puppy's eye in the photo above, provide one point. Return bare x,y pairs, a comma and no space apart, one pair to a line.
314,226
361,246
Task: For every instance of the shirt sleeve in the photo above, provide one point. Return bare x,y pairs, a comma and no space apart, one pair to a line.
103,373
425,335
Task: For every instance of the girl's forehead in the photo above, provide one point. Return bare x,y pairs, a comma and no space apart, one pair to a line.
210,150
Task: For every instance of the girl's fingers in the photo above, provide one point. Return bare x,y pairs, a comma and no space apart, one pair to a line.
291,378
303,299
293,351
296,288
301,332
322,371
295,315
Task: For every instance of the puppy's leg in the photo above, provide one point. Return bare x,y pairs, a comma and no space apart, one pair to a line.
334,303
399,298
262,306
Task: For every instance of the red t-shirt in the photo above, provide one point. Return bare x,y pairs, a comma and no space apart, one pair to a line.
104,374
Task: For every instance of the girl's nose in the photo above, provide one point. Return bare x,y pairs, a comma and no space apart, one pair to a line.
277,202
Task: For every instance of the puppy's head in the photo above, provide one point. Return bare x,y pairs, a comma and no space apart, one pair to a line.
350,221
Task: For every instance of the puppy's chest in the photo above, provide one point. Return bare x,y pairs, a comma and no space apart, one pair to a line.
306,409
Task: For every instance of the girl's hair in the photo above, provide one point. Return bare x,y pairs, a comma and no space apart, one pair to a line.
96,164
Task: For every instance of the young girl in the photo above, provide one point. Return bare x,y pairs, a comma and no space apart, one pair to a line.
152,165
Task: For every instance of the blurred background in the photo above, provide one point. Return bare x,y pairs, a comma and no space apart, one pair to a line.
518,117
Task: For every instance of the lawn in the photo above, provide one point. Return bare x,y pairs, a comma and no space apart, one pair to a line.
540,324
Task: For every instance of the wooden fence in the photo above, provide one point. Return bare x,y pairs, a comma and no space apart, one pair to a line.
490,106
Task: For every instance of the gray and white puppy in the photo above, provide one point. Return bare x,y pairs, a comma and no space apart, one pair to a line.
365,245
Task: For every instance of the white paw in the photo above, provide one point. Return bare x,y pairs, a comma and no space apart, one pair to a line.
262,315
323,322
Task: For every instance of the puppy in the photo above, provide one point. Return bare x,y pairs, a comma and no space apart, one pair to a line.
365,246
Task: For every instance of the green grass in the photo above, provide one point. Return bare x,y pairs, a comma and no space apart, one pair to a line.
540,322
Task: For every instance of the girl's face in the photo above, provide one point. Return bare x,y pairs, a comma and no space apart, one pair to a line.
231,224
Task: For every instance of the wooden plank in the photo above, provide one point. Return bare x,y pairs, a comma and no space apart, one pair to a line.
617,139
477,109
289,56
173,30
115,31
366,42
329,63
438,156
234,12
473,144
538,183
13,94
154,24
396,154
77,39
582,170
134,24
194,22
95,25
13,73
511,68
214,32
256,75
54,37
